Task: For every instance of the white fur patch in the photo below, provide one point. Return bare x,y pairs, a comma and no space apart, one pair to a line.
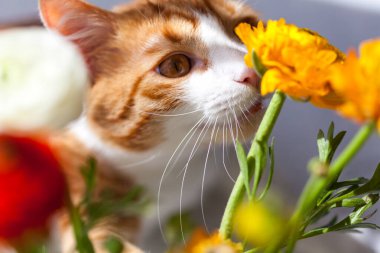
216,91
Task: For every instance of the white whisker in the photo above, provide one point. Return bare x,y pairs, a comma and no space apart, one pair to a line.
149,159
245,115
171,115
204,176
164,173
193,151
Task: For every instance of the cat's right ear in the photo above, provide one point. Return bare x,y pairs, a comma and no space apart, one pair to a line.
86,25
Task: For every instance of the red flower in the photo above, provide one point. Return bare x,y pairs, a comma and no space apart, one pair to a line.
32,185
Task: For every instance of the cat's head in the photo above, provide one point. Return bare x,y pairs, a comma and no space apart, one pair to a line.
152,59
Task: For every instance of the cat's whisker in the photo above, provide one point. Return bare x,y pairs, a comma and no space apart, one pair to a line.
245,115
232,133
216,142
149,159
183,149
172,115
239,126
164,173
233,114
196,144
193,151
204,175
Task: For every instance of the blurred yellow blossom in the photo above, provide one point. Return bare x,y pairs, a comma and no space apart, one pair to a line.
257,224
357,80
297,60
201,242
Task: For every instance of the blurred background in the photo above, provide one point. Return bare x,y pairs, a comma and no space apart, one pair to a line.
345,23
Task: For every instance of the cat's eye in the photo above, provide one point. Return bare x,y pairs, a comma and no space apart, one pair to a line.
175,66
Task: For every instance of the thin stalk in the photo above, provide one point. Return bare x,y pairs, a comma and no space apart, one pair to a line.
83,243
263,133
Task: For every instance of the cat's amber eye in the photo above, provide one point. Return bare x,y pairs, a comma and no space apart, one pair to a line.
175,66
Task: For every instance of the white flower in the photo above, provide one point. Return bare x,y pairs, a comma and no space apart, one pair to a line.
43,79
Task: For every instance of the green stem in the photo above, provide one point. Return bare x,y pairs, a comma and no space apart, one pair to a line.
316,185
269,120
84,244
263,133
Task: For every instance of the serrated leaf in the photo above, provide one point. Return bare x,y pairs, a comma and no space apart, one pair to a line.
373,185
323,146
271,170
243,164
330,132
349,228
327,145
260,164
360,225
352,182
336,141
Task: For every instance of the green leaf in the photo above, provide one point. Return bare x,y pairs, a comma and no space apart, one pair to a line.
361,225
335,144
113,245
352,182
271,171
350,228
322,145
243,163
373,185
88,172
327,145
260,159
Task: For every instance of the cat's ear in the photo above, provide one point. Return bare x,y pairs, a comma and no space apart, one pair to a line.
86,25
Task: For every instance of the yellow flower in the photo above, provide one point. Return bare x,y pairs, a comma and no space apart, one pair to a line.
297,60
201,242
255,223
357,80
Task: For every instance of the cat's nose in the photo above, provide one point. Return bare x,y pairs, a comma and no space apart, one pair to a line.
248,77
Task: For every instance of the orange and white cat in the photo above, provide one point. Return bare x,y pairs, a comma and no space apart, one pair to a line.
168,79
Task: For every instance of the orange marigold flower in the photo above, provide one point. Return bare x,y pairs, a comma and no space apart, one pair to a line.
297,60
357,80
32,185
201,242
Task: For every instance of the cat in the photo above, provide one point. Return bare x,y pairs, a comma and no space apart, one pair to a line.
168,79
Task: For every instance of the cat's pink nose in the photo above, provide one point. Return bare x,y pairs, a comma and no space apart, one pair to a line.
248,77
